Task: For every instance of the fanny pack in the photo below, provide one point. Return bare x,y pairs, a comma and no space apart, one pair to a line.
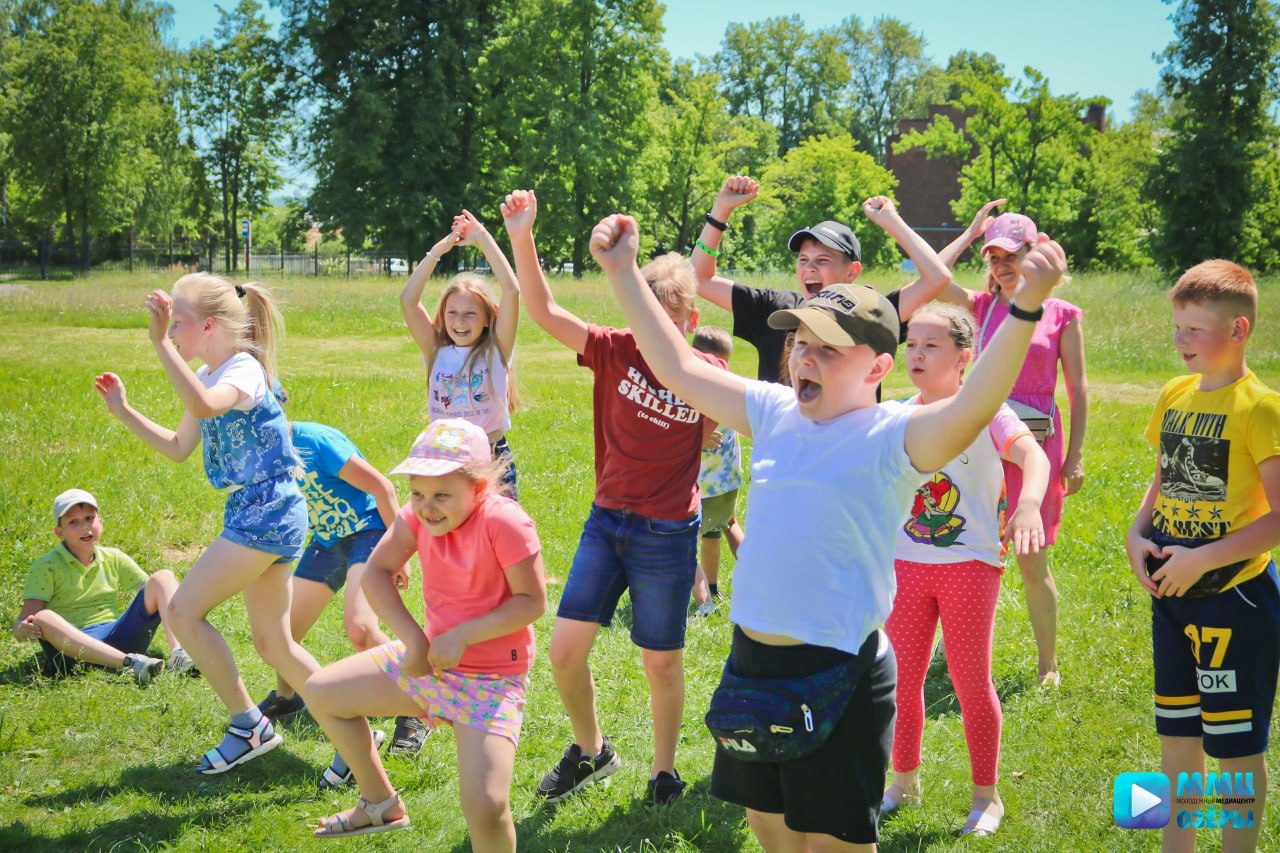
1040,423
783,719
1211,582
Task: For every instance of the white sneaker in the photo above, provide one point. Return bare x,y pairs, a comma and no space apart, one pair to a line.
180,661
144,668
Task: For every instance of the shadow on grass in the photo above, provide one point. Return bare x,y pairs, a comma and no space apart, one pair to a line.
940,696
29,671
697,818
916,839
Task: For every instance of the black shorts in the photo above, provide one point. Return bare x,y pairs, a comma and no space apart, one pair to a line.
1216,660
837,790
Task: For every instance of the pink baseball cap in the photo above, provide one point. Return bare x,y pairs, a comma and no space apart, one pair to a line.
1010,231
444,447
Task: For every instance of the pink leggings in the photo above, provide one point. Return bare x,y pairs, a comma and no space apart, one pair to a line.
964,595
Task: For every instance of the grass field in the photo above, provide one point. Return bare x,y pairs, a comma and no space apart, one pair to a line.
92,762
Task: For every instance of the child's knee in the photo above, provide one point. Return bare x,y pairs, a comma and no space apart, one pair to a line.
663,666
182,612
163,579
272,646
566,652
359,632
486,810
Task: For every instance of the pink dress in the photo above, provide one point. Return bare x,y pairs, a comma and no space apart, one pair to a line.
1035,386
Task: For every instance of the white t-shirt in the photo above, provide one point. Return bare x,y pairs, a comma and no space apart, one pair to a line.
244,373
957,515
827,500
478,395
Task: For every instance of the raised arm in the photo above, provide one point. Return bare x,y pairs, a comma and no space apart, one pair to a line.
519,211
951,253
713,391
173,444
934,274
472,233
359,473
1071,351
1025,528
199,401
938,432
737,191
416,317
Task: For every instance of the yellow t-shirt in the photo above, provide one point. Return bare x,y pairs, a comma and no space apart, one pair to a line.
1211,444
84,595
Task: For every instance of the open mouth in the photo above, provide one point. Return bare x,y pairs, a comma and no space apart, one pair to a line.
812,288
807,390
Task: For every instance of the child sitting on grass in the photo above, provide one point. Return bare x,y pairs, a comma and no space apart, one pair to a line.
71,600
833,474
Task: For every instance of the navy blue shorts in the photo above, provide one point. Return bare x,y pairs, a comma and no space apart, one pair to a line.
502,450
655,559
1216,661
131,634
329,564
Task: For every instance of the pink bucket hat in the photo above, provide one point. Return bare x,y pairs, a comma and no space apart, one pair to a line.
444,447
1010,231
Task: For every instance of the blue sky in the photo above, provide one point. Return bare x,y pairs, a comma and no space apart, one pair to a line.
1101,47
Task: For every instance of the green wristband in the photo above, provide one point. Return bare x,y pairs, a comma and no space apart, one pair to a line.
715,253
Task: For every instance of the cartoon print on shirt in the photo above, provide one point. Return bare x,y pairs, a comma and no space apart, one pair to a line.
933,519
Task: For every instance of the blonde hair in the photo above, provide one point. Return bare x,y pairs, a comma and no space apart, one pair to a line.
487,347
491,473
672,280
1219,282
247,312
713,340
961,327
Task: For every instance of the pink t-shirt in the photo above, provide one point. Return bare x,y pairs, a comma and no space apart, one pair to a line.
463,578
648,441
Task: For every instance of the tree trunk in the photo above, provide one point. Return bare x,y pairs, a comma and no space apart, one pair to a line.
86,239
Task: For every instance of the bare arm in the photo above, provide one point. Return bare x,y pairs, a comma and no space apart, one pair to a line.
1025,526
199,401
713,391
1072,354
26,628
737,191
1137,544
526,605
176,445
938,432
389,555
504,329
519,212
951,253
935,276
416,317
359,473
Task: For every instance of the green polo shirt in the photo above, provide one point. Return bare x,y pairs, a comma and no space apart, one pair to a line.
84,595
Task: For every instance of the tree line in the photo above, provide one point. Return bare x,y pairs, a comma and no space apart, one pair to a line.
406,111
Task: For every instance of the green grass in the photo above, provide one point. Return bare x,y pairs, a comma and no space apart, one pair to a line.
92,762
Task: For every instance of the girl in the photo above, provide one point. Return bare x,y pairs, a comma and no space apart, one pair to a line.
1058,338
822,539
469,345
483,588
949,559
229,406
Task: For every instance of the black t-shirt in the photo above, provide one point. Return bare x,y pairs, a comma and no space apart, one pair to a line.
751,309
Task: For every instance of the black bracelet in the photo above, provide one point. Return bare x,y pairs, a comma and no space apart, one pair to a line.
1030,316
716,223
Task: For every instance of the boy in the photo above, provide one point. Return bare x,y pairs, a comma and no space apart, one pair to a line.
719,480
642,531
818,537
70,602
1201,543
828,253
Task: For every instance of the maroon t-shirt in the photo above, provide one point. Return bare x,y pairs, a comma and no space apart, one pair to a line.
648,440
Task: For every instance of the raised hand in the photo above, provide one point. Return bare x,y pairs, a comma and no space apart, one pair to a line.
468,229
111,387
879,208
160,305
614,242
736,191
983,217
1042,269
519,210
445,243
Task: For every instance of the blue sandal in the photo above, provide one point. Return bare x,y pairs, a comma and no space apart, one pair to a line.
214,762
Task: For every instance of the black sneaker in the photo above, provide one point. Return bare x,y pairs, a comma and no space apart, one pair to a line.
409,736
576,771
277,707
664,788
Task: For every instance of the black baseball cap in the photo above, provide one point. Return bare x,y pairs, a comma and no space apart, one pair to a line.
835,235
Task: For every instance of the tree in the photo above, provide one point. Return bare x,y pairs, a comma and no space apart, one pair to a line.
571,87
78,125
1222,72
888,70
1117,218
236,102
825,177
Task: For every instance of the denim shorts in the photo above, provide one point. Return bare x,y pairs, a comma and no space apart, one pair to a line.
329,563
502,450
654,558
268,516
131,634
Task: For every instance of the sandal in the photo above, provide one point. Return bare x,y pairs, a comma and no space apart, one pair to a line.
983,823
214,762
894,796
340,826
331,778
